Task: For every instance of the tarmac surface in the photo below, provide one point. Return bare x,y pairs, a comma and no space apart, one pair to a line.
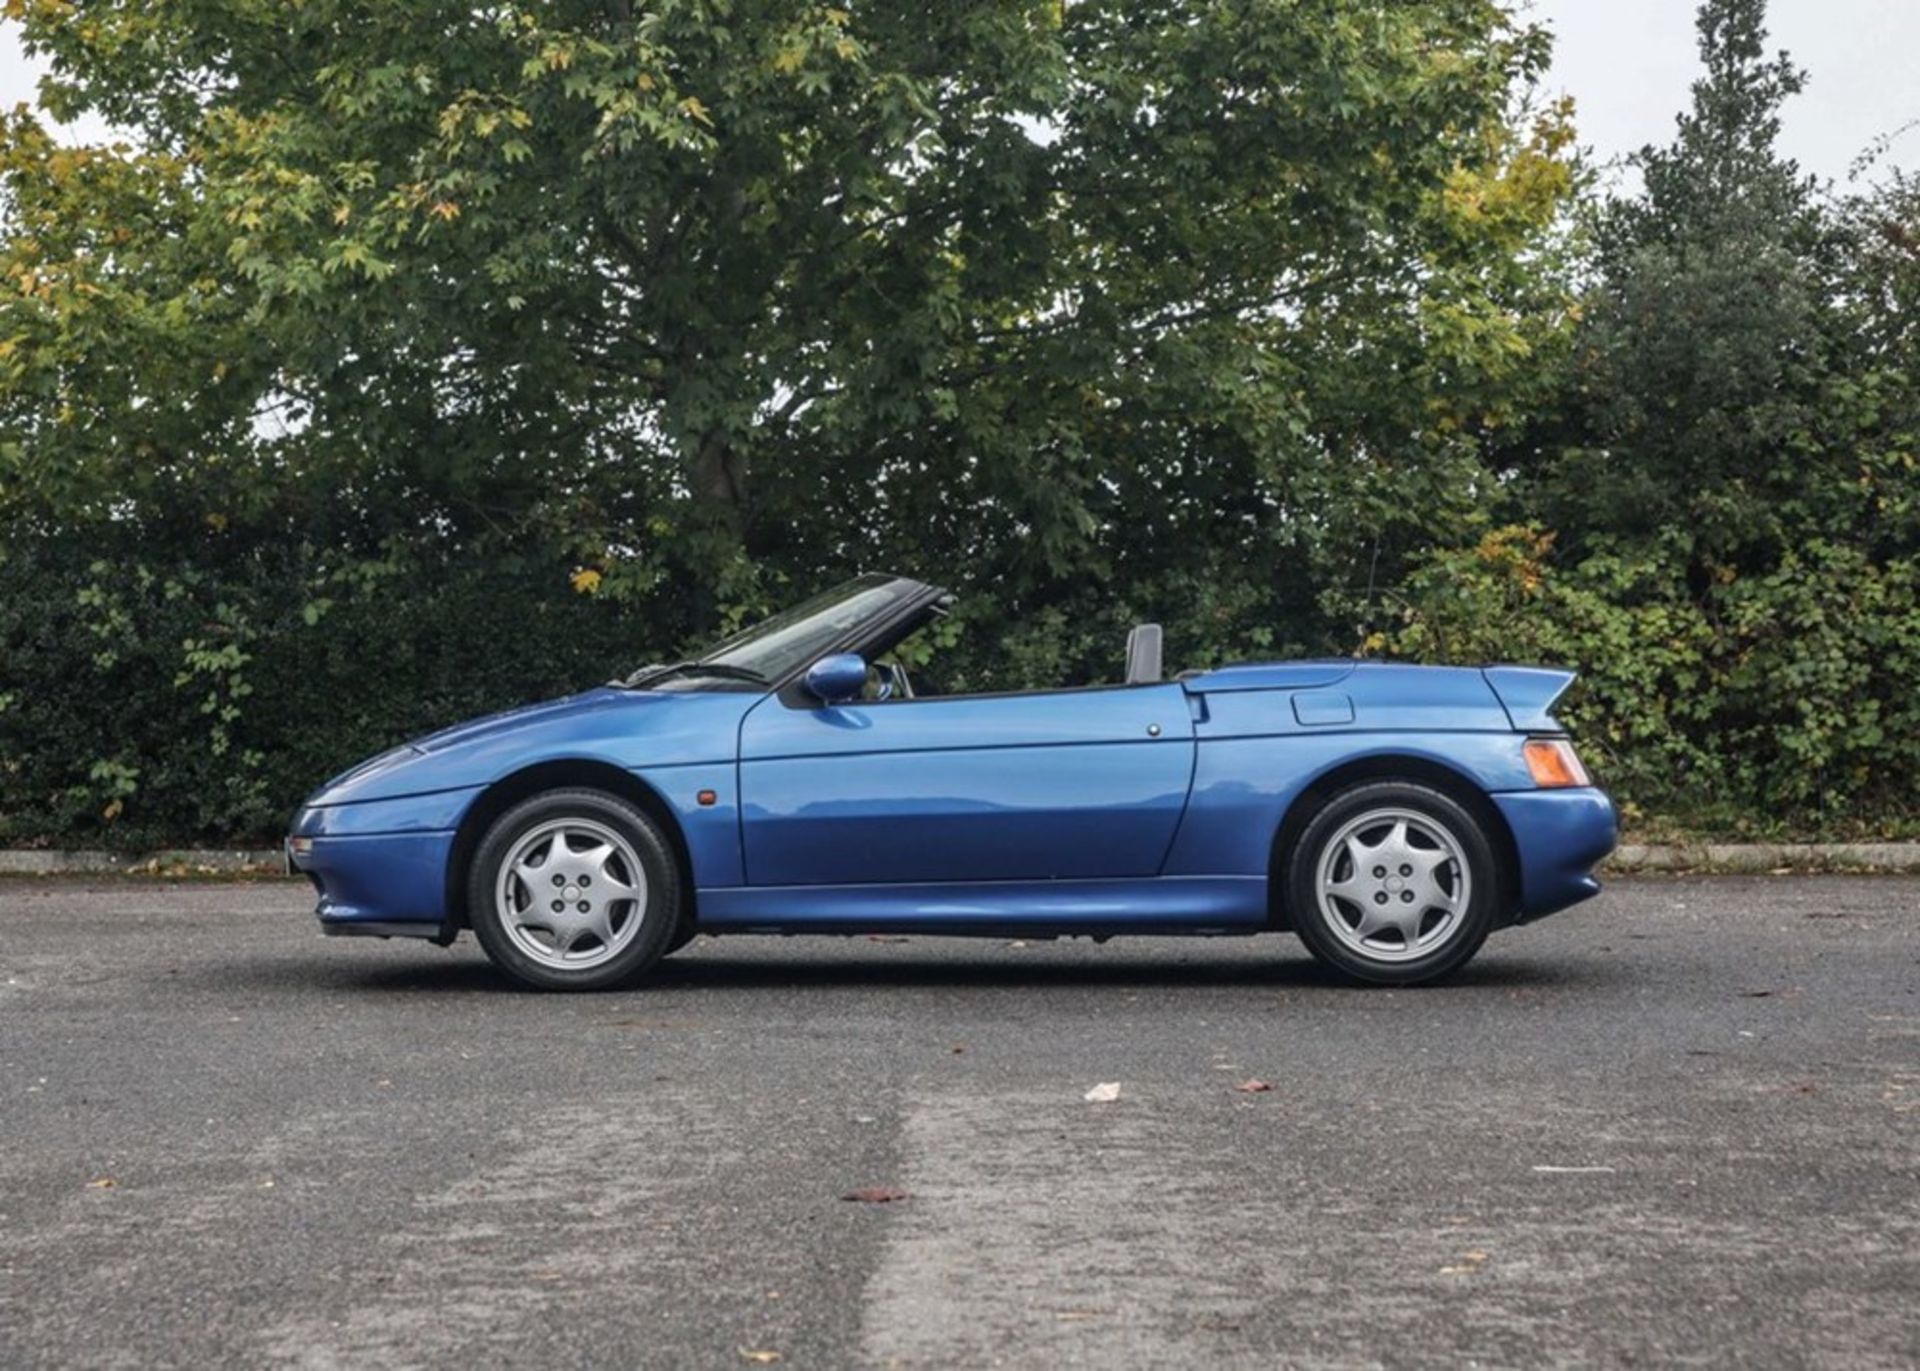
1680,1124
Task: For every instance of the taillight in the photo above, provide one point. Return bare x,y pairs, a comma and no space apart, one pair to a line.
1554,764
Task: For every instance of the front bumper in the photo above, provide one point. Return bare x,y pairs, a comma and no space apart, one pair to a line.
378,869
1560,835
381,885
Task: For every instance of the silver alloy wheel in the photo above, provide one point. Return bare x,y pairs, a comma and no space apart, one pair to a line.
571,893
1393,884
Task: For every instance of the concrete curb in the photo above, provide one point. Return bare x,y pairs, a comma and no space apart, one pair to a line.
1765,857
170,862
1729,858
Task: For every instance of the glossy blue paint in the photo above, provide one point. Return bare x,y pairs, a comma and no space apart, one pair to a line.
1529,693
712,831
1063,784
1322,708
1091,810
1382,697
1146,904
1271,676
676,743
436,812
372,859
384,878
960,723
837,678
630,729
1560,834
1243,786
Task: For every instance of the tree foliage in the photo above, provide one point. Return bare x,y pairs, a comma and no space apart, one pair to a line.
413,357
1728,476
713,289
1118,307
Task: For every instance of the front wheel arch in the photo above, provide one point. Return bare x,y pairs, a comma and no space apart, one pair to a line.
1389,767
565,774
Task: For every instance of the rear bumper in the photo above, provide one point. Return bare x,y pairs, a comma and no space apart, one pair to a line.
1561,835
379,885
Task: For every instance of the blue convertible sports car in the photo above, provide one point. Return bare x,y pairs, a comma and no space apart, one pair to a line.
793,781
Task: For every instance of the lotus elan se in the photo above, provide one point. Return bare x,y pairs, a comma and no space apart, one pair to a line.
794,780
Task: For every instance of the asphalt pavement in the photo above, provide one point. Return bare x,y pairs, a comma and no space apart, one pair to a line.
1680,1124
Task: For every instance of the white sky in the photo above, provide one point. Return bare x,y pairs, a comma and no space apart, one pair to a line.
1628,64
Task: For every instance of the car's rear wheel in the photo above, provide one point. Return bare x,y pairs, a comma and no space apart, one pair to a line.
1393,882
574,890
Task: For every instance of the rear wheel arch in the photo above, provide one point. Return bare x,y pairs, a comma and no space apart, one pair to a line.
1456,785
562,774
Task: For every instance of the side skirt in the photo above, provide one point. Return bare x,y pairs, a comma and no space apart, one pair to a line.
1193,905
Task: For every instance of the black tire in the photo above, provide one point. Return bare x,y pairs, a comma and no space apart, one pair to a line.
1376,959
686,934
658,911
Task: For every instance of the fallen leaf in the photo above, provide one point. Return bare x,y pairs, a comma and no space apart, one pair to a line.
104,1183
875,1194
959,1048
1755,994
1467,1264
1253,1087
766,1356
1104,1093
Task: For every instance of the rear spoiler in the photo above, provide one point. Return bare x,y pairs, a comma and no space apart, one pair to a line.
1528,693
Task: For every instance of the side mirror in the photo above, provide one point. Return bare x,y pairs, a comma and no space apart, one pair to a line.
839,677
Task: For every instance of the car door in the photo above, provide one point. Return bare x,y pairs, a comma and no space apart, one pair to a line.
1053,785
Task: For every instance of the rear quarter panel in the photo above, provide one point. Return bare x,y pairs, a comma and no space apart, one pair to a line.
1259,749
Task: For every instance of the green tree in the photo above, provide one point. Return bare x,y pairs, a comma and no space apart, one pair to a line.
661,278
1197,309
1710,337
1727,475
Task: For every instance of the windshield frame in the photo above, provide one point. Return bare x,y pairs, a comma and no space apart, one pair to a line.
908,596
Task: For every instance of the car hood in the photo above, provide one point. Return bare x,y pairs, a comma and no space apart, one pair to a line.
524,716
624,728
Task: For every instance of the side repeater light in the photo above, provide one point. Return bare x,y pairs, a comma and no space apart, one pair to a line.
1554,765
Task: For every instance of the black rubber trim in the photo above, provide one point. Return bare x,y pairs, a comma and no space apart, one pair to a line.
382,928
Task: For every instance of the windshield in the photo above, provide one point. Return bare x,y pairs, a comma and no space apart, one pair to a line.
775,648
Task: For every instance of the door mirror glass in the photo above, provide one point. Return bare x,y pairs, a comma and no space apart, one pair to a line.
839,677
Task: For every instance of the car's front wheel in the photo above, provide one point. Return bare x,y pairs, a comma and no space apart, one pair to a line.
1393,882
574,890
